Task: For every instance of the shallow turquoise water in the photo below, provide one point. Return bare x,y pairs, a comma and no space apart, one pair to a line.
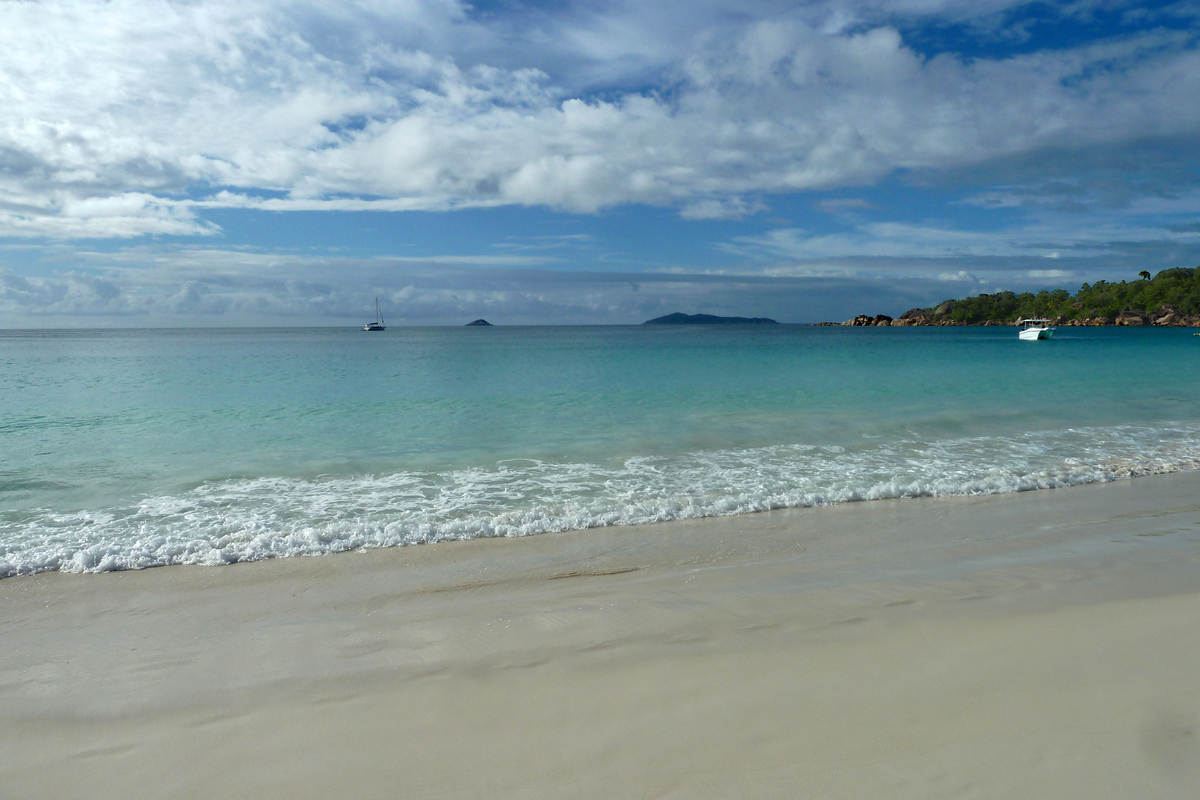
133,448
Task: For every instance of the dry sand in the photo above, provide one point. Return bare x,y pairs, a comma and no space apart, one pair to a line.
1044,645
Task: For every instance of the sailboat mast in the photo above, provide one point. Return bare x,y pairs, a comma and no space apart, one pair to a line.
377,325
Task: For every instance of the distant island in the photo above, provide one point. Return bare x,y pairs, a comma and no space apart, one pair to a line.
707,319
1172,297
479,322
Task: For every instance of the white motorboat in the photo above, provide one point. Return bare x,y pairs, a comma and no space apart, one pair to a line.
377,325
1033,329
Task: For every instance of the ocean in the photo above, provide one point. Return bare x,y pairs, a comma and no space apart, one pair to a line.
126,449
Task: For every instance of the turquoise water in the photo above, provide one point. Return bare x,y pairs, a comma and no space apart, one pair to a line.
124,449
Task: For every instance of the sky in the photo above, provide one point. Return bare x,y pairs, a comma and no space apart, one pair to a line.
252,162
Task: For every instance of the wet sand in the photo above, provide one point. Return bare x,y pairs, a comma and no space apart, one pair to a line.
1040,645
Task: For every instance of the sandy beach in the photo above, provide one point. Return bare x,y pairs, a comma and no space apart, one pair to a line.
1037,645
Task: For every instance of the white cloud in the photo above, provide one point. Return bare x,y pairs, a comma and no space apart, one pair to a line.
1046,235
70,294
722,208
130,214
961,276
116,112
883,240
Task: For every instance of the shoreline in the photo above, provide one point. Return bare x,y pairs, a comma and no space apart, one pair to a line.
1037,644
84,561
883,320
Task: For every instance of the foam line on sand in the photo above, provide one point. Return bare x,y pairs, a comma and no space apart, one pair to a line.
1029,646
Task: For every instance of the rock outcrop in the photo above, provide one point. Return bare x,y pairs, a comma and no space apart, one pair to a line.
863,320
1167,314
944,309
480,323
916,316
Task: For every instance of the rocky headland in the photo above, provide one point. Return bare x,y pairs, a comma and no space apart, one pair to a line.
1170,298
1163,316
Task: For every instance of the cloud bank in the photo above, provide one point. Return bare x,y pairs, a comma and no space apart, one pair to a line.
161,160
250,288
132,117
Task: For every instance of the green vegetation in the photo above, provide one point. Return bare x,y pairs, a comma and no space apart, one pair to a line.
1172,289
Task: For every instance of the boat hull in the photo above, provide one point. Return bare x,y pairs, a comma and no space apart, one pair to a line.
1033,334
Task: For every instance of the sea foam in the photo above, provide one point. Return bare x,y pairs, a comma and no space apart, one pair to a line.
246,519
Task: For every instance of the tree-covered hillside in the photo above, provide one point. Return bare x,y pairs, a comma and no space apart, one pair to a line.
1172,297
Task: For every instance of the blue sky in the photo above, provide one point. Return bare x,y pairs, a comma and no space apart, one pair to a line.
283,163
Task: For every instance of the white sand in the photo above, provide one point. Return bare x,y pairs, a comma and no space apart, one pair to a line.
1044,645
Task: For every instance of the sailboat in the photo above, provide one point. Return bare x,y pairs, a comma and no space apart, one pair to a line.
377,325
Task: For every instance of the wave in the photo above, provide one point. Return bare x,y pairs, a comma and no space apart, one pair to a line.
247,519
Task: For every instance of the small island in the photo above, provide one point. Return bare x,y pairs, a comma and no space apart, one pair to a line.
707,319
479,323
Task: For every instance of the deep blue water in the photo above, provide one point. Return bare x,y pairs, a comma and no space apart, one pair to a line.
133,448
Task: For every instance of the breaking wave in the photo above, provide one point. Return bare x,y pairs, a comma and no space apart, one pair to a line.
246,519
